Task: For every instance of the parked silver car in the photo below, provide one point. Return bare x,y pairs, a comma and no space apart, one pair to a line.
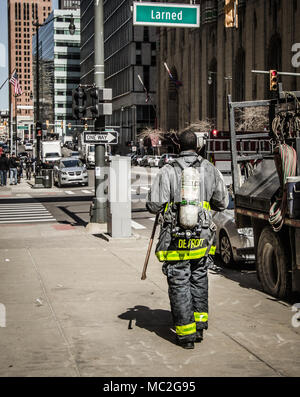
233,244
70,171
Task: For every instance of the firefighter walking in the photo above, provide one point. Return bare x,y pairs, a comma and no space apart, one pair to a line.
185,191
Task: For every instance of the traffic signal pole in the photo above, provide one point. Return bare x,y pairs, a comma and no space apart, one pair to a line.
99,206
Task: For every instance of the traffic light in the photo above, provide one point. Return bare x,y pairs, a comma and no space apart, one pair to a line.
69,126
231,13
273,80
61,124
79,103
47,124
95,97
214,133
99,102
38,129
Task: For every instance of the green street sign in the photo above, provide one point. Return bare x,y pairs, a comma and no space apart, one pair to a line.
166,14
22,127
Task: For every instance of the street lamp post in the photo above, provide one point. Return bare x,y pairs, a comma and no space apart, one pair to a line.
133,137
37,25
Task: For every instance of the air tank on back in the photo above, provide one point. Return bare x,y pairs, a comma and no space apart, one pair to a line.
190,193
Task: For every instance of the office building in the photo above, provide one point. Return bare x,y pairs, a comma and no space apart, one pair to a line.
20,32
213,61
59,72
69,4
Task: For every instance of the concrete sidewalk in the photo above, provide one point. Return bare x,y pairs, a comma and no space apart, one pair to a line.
76,306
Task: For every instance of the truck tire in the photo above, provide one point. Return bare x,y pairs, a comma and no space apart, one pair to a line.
272,264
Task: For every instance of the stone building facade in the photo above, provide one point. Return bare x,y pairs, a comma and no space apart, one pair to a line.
213,61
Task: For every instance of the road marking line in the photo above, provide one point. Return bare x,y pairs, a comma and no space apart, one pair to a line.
28,221
87,191
69,192
137,226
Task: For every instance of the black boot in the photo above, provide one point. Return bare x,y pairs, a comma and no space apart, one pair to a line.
185,344
199,336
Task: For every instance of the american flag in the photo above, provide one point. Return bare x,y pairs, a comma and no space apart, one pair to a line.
177,82
15,82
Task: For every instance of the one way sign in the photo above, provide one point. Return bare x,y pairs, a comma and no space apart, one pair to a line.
101,137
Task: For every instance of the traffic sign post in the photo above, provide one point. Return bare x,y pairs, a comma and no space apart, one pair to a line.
166,14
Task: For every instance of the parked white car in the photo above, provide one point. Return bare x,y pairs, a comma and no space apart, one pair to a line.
28,146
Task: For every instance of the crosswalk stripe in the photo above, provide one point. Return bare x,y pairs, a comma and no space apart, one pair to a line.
137,226
27,220
69,192
24,213
87,191
21,205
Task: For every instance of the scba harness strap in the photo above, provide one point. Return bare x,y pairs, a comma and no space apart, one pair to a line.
176,244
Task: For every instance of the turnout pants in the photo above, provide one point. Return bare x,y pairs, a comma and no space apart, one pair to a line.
188,294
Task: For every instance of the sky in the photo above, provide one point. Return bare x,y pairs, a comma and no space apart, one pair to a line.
4,53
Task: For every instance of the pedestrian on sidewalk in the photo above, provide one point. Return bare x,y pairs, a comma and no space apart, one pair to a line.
20,168
3,169
186,252
13,172
28,167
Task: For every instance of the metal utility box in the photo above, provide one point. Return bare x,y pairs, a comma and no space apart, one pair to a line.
119,198
47,178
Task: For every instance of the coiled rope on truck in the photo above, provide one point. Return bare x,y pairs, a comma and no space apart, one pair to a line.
286,167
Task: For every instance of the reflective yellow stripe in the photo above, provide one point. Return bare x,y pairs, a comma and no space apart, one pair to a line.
186,329
213,250
205,205
183,255
201,317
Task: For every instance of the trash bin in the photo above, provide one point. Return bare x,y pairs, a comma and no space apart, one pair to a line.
47,178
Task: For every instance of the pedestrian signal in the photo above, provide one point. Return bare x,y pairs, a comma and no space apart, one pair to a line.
273,80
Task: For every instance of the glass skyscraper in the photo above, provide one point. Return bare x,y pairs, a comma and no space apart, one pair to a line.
59,64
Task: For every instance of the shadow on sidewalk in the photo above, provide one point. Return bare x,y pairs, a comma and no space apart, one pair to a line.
78,221
157,320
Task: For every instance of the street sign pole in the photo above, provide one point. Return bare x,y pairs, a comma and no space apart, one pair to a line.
99,206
